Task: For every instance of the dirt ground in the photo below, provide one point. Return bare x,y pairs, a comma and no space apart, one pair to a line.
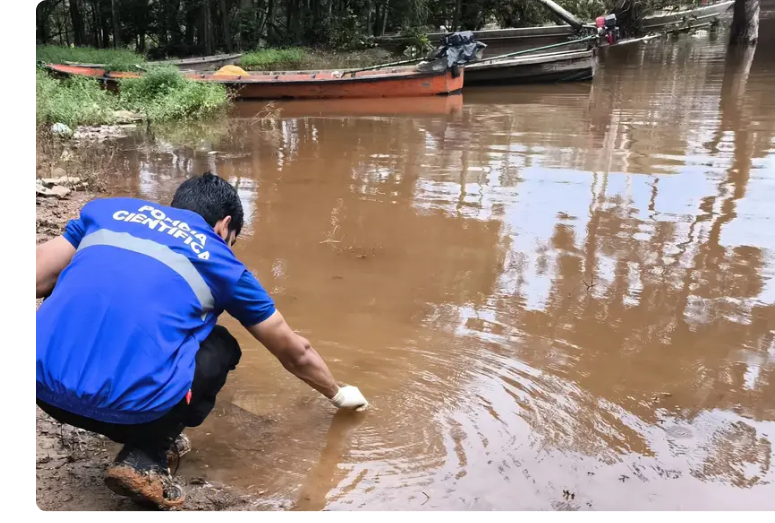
70,462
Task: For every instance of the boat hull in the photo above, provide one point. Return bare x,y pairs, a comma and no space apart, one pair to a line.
206,63
569,66
201,63
419,84
394,83
698,17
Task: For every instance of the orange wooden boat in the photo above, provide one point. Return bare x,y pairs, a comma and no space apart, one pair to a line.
387,83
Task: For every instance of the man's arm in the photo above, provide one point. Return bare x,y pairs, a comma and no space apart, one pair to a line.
295,353
254,309
51,258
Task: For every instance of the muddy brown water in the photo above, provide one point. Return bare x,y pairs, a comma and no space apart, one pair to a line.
555,297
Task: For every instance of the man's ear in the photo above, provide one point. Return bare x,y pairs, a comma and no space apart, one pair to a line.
222,228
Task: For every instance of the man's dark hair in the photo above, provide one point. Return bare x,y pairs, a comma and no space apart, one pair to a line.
211,197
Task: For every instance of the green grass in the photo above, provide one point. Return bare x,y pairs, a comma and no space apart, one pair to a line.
114,59
75,101
273,59
161,95
296,58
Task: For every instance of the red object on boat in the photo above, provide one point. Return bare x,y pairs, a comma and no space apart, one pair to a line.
386,83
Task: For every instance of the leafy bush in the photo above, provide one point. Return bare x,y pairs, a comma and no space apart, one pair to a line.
113,59
75,101
163,94
273,59
347,32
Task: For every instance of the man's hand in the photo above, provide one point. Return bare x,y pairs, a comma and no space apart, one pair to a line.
350,397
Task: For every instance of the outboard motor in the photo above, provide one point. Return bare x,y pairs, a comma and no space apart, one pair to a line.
606,28
456,49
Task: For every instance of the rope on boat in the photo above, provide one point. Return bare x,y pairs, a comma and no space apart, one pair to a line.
542,48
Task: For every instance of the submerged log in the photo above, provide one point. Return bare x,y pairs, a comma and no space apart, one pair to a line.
745,23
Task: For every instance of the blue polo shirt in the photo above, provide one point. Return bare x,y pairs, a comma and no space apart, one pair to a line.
117,339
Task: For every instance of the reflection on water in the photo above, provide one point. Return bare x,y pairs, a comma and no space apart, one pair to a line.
555,296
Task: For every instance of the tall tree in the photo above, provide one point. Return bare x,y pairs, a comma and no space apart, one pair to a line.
207,24
226,29
116,23
79,38
745,23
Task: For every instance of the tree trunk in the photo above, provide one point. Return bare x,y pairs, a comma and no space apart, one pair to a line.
114,18
208,28
41,22
95,23
269,22
226,28
288,15
75,16
192,14
63,30
745,23
384,19
142,25
104,15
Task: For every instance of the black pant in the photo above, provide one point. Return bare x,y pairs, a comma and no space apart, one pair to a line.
218,354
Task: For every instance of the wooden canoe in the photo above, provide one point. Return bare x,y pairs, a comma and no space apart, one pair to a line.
563,66
199,63
685,18
392,83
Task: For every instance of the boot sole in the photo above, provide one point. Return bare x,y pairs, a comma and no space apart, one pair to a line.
143,488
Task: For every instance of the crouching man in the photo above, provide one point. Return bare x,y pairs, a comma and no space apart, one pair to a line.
127,343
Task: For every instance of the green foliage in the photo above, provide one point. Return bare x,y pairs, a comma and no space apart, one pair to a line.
416,42
113,59
273,59
184,28
346,31
297,58
163,94
75,101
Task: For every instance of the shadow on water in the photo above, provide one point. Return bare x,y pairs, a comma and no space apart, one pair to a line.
556,297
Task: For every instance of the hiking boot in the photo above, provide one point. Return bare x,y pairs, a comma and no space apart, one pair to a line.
145,478
180,448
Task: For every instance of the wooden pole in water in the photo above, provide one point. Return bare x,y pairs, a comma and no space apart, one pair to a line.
745,22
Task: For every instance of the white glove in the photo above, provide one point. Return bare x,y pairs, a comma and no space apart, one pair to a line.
350,397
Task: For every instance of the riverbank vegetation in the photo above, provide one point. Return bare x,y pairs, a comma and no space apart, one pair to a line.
296,58
113,59
160,29
160,95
